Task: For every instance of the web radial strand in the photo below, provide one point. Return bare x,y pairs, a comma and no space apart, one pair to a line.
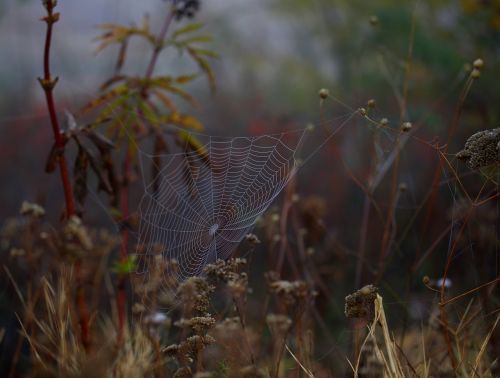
203,202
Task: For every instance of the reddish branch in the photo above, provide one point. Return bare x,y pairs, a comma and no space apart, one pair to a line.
121,293
124,207
48,83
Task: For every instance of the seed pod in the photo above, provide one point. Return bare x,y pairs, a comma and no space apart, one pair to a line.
323,93
373,20
406,127
478,63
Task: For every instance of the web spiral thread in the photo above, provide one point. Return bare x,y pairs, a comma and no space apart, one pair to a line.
203,202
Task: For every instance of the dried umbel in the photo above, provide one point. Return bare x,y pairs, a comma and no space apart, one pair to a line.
186,8
32,209
278,324
229,273
481,149
195,293
291,292
360,304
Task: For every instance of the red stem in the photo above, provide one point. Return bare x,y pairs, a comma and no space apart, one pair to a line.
121,294
48,85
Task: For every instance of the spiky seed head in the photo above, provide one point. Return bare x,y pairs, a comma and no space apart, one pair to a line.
406,127
323,93
475,74
371,103
478,63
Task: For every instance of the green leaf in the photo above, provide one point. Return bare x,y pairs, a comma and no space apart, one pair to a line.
195,145
197,39
126,267
209,53
187,29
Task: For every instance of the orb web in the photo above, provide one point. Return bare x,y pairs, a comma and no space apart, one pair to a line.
203,201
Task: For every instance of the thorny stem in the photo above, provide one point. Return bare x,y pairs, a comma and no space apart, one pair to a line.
48,84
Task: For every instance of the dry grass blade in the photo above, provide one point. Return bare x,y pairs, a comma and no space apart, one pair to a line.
307,372
484,345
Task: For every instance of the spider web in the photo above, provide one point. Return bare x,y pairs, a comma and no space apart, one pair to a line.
203,201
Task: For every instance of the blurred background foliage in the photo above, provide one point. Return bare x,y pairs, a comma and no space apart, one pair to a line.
274,57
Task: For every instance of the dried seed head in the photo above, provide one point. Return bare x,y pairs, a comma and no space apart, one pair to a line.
384,122
278,324
362,111
426,280
406,127
373,20
371,103
475,74
252,238
481,149
323,93
17,252
360,304
32,209
478,63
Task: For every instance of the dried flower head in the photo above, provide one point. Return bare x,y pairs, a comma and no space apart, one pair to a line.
252,238
186,8
278,324
360,304
32,209
481,149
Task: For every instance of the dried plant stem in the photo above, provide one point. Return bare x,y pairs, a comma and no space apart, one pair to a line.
159,44
121,292
48,83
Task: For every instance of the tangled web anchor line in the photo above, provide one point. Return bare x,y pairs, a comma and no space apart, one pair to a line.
203,202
